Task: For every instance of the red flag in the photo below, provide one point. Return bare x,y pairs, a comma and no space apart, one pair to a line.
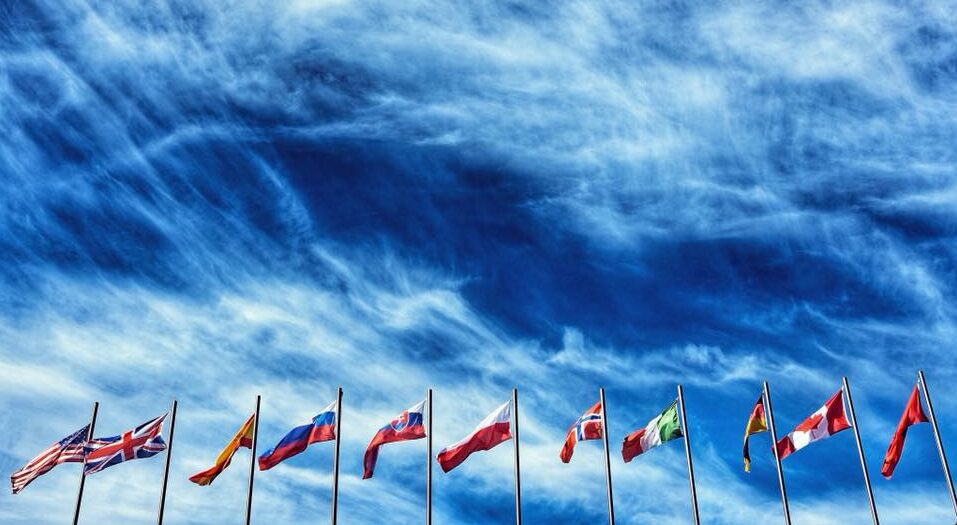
827,421
493,430
913,414
587,427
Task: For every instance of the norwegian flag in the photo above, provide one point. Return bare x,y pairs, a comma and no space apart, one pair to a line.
67,450
143,441
587,427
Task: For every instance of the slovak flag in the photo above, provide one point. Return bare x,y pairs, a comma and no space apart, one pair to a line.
143,441
407,426
824,423
494,429
587,427
322,428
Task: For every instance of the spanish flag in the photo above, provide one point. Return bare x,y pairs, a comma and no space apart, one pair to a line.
757,423
243,438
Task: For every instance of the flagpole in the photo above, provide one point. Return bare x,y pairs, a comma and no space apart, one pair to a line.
860,451
252,464
684,430
777,457
518,475
604,435
335,459
89,436
940,443
169,454
428,458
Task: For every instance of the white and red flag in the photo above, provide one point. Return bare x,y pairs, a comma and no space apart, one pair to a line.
494,429
913,414
824,423
587,427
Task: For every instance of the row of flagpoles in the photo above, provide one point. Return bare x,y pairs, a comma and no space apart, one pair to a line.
501,425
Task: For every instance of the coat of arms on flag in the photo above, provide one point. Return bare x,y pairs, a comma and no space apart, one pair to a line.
143,441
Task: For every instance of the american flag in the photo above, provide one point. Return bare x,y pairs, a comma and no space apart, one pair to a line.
143,441
68,450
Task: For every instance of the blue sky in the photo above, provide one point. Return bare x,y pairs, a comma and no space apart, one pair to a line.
209,200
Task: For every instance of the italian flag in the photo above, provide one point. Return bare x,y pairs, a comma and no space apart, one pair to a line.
661,429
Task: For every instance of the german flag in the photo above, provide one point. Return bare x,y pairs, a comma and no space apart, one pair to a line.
757,423
243,438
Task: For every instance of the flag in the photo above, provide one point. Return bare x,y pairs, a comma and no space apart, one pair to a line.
144,441
913,414
661,429
322,428
827,421
243,438
587,427
67,450
406,426
494,429
757,423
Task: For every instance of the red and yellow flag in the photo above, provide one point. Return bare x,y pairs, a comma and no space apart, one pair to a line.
243,438
757,423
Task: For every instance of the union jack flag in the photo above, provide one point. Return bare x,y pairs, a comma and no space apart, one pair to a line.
67,450
143,441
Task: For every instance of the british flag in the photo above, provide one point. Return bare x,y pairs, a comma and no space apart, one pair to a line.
143,441
68,450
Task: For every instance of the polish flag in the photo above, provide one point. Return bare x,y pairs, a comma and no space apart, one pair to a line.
494,429
827,421
913,414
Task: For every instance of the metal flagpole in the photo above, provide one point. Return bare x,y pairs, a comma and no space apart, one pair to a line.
940,444
335,459
777,458
252,464
169,454
89,436
604,436
428,458
518,474
860,451
684,430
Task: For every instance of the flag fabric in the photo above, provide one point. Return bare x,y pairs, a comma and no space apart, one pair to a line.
663,428
406,426
68,450
322,428
913,414
587,427
493,430
144,441
243,438
757,423
825,422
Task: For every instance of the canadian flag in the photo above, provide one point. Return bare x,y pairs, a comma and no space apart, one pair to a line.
913,414
494,429
825,422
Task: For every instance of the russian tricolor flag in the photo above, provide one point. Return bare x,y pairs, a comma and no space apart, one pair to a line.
407,426
322,428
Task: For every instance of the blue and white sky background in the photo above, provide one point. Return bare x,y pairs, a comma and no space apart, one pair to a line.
206,200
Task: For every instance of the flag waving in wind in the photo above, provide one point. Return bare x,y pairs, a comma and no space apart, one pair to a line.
493,430
587,427
663,428
322,428
143,441
243,438
824,423
913,414
757,423
67,450
406,426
